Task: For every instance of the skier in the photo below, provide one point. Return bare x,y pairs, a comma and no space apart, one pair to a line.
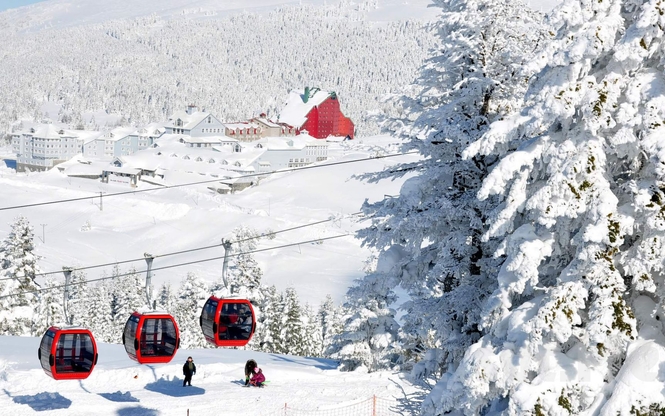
188,370
250,365
258,378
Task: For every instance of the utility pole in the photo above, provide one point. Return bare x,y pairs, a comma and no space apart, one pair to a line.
148,277
43,233
68,275
101,203
227,251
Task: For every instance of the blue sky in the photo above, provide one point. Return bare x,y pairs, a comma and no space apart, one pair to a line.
11,4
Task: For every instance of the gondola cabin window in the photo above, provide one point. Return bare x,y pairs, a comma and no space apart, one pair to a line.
151,338
67,353
227,322
74,353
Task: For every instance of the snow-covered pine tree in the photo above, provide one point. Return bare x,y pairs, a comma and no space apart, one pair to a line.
78,304
432,232
100,318
330,323
369,331
166,300
267,337
128,295
368,338
192,295
50,302
313,337
244,271
18,267
580,219
292,333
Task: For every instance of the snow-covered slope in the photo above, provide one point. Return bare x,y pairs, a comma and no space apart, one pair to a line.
171,220
119,386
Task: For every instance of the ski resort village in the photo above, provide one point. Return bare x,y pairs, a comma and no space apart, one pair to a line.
332,207
192,142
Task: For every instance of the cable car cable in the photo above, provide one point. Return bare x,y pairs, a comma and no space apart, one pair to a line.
171,266
83,198
188,250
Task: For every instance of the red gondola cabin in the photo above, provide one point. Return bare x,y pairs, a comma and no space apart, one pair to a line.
151,337
227,322
68,353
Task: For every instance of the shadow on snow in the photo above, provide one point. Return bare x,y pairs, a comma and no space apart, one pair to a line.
137,411
174,388
41,402
119,397
321,363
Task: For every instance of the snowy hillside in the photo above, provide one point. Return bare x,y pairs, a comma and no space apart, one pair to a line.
80,233
142,67
57,14
119,386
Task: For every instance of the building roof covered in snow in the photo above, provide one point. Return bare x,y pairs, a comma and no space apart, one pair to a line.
119,133
49,131
187,119
291,143
299,104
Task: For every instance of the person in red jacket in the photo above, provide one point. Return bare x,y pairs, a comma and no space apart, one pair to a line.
258,378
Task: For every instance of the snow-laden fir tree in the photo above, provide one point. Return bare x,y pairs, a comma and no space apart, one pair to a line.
244,271
368,339
166,300
78,302
431,235
51,310
100,313
128,295
368,335
19,302
295,334
268,327
313,337
329,319
191,297
580,221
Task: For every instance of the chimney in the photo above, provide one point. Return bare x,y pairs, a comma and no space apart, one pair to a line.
191,109
305,98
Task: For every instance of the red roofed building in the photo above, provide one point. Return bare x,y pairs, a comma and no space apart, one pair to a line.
317,112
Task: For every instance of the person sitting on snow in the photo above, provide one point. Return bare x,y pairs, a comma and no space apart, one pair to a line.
258,378
250,365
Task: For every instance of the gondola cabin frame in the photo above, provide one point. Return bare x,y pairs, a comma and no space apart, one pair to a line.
216,327
151,337
68,353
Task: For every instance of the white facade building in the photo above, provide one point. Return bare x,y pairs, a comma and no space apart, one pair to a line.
291,152
194,123
120,141
45,146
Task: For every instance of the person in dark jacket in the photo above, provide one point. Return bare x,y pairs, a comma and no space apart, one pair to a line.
250,365
188,370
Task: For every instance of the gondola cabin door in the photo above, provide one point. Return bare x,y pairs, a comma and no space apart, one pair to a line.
151,338
228,322
68,353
